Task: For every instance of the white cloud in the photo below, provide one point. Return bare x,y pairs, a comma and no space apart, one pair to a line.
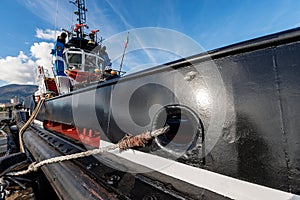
21,69
46,34
41,52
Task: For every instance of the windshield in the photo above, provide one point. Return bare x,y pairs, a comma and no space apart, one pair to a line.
74,60
80,60
90,62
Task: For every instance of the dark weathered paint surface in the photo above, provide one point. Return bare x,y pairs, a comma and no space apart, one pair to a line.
258,140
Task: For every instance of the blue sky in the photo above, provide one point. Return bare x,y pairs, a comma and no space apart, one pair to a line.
211,23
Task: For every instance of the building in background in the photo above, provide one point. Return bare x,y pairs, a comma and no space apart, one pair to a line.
14,100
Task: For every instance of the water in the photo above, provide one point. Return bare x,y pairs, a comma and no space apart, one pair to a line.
3,115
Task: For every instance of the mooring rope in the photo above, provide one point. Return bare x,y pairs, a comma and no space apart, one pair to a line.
126,143
32,117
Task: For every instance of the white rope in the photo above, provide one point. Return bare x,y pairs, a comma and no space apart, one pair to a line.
128,142
36,165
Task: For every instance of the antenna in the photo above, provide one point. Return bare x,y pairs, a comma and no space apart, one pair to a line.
125,47
56,13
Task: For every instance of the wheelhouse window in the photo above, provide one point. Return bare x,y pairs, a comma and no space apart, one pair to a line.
90,62
81,60
74,60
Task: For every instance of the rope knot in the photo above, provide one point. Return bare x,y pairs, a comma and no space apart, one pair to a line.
130,141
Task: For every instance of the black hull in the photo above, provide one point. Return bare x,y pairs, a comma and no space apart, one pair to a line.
241,102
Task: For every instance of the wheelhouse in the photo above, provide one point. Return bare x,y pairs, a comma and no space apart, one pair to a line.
82,60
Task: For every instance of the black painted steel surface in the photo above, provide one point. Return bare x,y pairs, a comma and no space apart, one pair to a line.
64,177
89,178
241,100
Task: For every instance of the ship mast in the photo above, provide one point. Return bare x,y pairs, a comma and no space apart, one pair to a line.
81,13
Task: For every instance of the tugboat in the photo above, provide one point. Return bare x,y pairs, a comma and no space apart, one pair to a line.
231,115
79,62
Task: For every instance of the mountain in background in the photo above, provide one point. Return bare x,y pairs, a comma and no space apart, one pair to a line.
8,92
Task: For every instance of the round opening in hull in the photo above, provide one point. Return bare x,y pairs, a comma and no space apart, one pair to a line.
185,129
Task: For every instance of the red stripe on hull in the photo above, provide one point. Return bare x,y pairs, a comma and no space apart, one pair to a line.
85,135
